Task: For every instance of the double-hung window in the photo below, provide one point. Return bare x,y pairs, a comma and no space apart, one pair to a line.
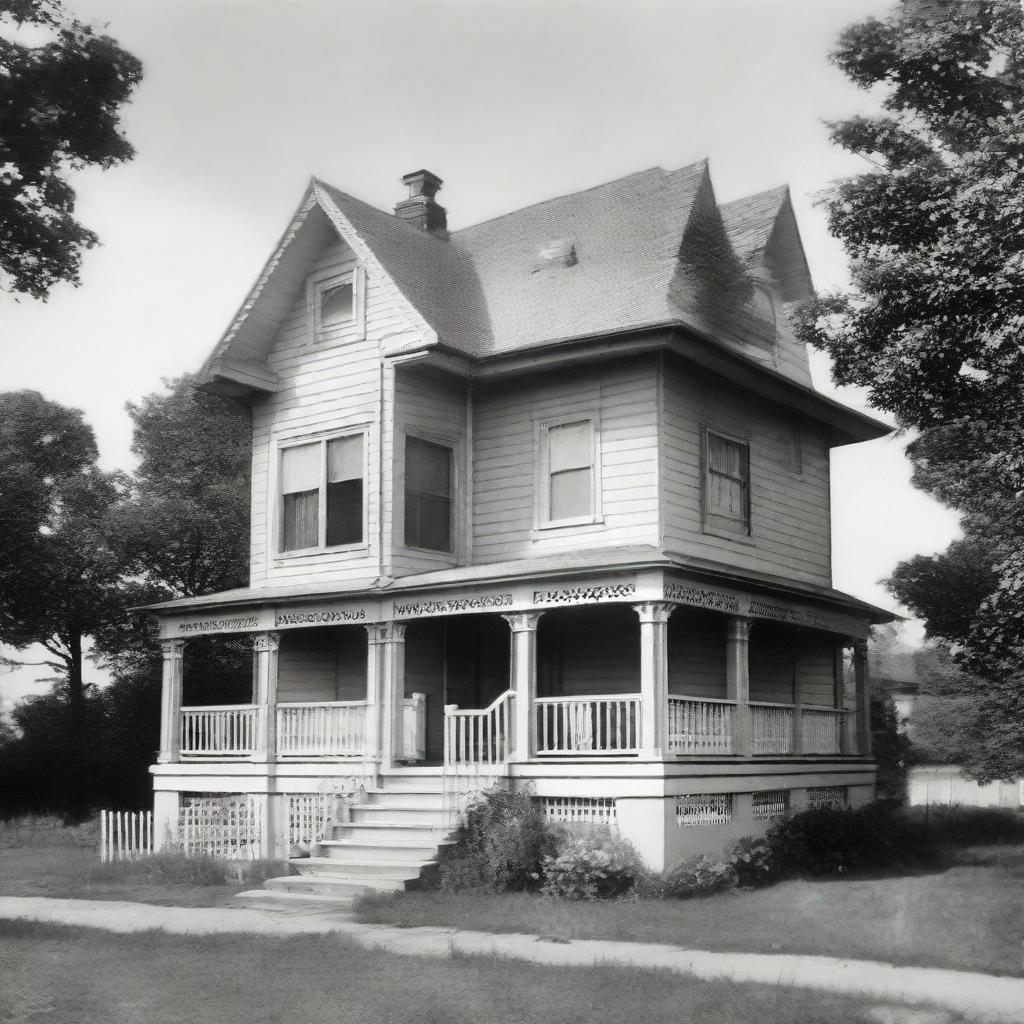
726,484
428,494
322,493
569,491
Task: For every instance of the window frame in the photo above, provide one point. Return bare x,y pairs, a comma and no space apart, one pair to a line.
714,522
542,487
317,285
452,444
322,439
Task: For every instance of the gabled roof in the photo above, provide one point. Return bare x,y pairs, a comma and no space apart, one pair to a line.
764,234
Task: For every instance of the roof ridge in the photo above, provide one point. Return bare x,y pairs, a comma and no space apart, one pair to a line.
782,189
578,192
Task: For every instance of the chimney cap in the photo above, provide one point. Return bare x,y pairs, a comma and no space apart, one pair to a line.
422,183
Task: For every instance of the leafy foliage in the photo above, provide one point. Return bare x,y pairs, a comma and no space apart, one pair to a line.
500,846
931,326
699,876
59,112
597,866
890,749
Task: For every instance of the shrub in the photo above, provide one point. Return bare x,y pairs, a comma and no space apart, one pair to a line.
753,860
967,826
829,841
500,846
698,876
596,866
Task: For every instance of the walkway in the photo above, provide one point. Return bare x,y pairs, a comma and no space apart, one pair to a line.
980,997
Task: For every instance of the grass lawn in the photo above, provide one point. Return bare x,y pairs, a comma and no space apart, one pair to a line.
968,917
65,974
38,857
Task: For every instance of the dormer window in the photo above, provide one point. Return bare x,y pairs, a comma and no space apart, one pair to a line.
336,306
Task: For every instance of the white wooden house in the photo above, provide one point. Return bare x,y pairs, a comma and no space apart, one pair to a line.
545,499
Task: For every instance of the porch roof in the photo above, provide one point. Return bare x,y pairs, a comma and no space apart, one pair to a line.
582,564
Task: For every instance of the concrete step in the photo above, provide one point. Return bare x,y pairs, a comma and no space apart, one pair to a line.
389,870
386,832
399,813
336,886
403,797
395,782
286,899
416,851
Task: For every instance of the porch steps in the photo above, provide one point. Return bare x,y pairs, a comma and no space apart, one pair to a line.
387,845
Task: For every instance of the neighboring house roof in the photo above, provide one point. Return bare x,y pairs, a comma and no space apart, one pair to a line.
649,249
892,662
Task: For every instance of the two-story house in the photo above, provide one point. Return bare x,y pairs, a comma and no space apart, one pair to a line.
544,499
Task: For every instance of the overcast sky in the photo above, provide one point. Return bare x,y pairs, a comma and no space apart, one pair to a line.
509,101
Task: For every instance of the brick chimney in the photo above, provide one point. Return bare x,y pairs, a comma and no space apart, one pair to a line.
421,210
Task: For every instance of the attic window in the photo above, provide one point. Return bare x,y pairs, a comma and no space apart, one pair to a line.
336,306
561,252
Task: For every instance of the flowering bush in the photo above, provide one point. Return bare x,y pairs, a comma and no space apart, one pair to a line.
598,866
698,876
754,861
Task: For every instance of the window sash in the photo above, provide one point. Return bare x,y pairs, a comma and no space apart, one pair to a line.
569,464
728,479
322,494
428,494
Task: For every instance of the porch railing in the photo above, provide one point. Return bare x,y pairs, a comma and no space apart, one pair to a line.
316,729
771,728
823,730
700,726
588,725
219,730
480,735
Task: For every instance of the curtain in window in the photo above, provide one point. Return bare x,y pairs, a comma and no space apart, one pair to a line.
345,490
727,477
428,495
300,486
570,458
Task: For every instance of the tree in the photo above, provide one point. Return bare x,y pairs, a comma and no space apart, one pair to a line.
932,323
59,112
60,582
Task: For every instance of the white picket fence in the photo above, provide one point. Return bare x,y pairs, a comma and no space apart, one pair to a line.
125,835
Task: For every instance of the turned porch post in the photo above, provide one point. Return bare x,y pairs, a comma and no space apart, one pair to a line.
266,646
170,700
524,681
863,690
737,681
654,617
386,683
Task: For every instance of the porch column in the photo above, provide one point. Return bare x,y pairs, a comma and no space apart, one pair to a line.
266,646
374,693
524,681
863,690
170,701
737,680
654,617
386,681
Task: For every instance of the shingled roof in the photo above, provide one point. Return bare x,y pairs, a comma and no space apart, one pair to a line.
482,290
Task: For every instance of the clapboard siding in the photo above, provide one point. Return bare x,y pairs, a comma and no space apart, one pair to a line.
585,651
623,395
788,664
696,654
322,665
790,530
435,410
326,386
